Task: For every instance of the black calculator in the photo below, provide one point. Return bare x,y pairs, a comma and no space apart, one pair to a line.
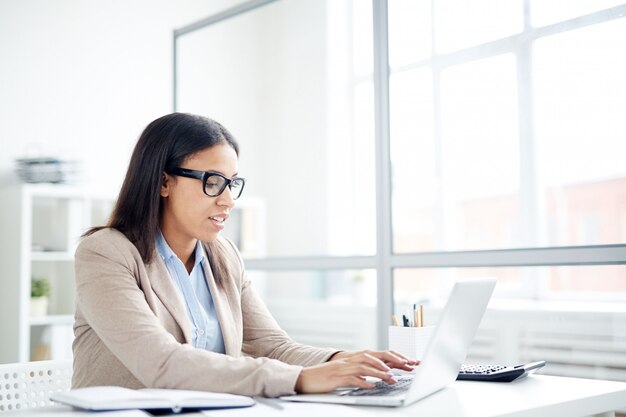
497,373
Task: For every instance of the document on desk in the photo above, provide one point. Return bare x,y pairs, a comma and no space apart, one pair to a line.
107,398
62,411
270,407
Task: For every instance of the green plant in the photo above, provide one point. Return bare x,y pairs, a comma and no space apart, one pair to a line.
39,287
358,276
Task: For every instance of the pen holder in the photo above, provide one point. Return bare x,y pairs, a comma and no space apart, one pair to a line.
410,341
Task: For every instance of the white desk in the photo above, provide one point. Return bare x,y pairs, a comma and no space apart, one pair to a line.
534,396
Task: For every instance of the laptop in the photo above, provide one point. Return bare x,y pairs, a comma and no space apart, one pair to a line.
442,359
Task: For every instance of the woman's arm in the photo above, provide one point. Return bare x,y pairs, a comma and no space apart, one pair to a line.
325,369
262,336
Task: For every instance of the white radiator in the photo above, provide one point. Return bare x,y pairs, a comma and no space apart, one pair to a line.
326,325
578,344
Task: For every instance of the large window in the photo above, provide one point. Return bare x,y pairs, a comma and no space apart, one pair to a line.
508,133
513,143
393,147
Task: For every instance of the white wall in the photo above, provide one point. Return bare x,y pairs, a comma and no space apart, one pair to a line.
82,78
263,75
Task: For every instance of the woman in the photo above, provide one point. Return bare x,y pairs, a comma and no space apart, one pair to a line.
163,301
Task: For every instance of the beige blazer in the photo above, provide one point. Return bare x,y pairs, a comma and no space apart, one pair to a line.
131,328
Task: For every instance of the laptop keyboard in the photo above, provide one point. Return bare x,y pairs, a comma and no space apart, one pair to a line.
383,388
404,383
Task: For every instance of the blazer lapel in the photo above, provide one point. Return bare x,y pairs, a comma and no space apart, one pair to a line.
164,288
222,308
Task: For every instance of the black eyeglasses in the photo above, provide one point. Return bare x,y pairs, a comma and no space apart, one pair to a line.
213,183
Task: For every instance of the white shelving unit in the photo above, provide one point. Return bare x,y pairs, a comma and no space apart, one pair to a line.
40,227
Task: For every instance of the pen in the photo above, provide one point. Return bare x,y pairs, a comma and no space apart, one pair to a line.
418,314
405,321
415,316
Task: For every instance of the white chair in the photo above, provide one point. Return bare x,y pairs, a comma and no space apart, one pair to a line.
30,384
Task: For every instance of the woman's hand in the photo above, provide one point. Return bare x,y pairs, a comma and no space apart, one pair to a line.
391,358
349,369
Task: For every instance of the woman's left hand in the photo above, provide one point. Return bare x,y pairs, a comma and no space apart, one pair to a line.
391,358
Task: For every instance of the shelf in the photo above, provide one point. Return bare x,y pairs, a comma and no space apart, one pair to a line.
41,225
55,190
57,319
52,256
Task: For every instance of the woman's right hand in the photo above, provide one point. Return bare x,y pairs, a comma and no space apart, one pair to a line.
349,372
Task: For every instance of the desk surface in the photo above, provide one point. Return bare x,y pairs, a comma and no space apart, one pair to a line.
534,396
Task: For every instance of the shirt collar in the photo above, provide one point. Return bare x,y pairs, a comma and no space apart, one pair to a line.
167,253
200,256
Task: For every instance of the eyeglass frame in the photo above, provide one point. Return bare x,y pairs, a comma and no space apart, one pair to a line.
204,176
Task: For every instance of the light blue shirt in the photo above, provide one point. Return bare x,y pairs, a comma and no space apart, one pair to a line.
205,328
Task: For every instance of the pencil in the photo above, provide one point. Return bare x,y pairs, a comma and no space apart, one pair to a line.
394,320
422,315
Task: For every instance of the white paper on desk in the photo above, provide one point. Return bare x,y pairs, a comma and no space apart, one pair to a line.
62,411
119,413
271,407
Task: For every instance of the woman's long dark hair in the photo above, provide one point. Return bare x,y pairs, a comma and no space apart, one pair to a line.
165,143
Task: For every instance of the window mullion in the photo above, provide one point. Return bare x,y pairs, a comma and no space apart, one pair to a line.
529,227
383,170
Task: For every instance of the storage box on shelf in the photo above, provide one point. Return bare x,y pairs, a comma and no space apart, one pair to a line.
40,228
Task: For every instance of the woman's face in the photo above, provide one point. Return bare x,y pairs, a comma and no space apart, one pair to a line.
190,214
